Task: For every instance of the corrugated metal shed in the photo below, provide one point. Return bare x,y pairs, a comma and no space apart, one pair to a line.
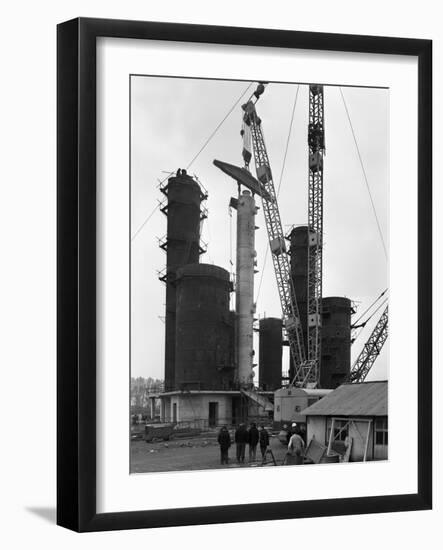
365,399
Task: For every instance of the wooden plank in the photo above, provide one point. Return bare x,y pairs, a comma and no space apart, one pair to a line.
368,433
331,436
347,454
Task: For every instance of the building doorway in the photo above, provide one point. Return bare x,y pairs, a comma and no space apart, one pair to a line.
239,410
174,413
213,414
381,439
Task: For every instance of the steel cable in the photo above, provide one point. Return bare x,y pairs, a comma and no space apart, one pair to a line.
196,156
364,174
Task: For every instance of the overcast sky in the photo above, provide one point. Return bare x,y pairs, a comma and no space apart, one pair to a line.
171,118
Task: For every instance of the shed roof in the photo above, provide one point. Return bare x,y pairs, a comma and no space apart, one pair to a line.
364,399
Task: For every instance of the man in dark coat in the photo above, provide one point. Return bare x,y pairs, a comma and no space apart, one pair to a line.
241,438
224,440
264,441
253,436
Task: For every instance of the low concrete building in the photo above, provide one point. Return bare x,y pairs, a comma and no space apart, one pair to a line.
352,421
209,409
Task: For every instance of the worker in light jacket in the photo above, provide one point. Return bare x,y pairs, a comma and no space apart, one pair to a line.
296,447
292,430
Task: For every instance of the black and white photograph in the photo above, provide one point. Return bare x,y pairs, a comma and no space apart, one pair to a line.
220,291
259,258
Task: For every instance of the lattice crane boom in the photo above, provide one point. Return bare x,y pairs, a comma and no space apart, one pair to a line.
280,259
316,142
371,350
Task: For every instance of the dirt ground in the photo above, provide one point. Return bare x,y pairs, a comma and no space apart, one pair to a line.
197,453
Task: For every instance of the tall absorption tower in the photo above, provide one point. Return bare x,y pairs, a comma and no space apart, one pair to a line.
335,356
299,272
182,246
270,353
244,290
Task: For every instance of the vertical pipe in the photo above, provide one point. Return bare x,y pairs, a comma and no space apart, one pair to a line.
244,293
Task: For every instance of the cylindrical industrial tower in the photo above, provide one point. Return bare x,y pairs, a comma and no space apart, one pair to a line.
336,341
244,290
270,353
299,272
182,246
203,340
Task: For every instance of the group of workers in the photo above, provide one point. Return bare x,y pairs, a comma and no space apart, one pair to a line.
253,437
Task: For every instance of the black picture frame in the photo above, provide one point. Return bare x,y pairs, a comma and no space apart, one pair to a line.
76,273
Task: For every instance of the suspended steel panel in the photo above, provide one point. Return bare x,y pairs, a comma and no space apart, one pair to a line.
243,177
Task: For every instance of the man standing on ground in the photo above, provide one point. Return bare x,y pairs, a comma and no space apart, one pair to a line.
224,440
253,441
292,430
264,441
296,447
241,438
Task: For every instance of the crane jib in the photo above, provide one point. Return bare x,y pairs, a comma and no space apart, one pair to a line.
277,243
